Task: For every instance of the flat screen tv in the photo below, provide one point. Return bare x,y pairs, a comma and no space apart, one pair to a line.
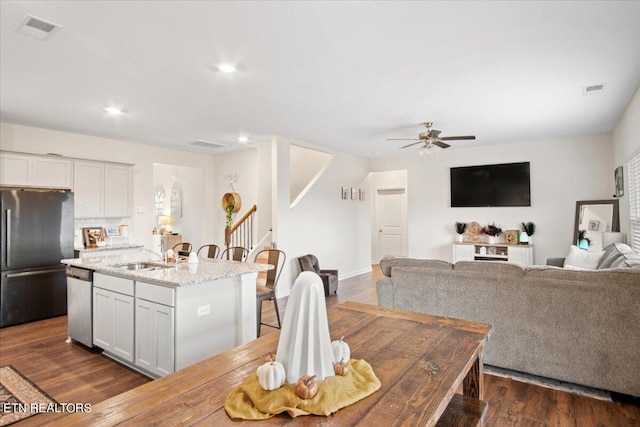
506,184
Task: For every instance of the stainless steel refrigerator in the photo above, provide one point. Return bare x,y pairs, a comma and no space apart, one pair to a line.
37,232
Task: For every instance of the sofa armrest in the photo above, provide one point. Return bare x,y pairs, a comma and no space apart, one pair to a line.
556,262
334,272
384,288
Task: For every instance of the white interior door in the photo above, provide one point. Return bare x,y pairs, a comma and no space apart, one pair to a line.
391,222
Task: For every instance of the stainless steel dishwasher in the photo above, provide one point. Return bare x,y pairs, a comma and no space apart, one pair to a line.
80,305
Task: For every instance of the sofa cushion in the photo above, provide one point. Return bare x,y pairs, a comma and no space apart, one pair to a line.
619,255
582,259
388,262
618,276
494,268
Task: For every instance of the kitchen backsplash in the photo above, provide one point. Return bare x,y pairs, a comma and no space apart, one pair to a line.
79,224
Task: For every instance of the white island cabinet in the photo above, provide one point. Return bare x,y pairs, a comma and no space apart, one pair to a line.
161,318
155,331
113,315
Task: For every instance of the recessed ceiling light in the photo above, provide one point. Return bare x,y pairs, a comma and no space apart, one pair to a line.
114,111
243,139
227,68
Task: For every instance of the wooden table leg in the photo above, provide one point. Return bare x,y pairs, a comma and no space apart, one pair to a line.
473,384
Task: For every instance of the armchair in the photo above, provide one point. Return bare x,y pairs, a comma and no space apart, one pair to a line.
329,277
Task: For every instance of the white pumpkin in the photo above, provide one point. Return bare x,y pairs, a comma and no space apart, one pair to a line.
341,351
271,375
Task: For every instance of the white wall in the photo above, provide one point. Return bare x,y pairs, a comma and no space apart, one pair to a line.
563,171
40,141
336,231
243,165
191,225
305,164
626,143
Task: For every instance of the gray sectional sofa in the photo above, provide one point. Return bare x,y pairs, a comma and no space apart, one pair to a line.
577,326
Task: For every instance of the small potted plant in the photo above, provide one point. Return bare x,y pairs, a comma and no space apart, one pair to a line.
528,229
492,231
229,218
461,227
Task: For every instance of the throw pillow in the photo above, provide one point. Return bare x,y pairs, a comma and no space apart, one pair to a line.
582,259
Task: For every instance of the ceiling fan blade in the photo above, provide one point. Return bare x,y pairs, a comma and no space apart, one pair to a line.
457,138
440,144
434,133
409,145
403,139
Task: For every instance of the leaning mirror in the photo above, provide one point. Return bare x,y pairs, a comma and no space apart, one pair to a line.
595,217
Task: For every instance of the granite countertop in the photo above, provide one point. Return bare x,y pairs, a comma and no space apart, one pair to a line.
180,274
110,247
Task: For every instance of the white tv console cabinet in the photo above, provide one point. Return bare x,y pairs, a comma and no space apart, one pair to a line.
521,254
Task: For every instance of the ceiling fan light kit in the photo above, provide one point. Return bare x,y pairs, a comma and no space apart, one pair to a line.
430,138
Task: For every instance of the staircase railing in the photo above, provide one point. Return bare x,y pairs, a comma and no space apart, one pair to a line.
242,232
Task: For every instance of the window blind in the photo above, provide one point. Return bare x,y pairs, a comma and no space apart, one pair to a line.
633,187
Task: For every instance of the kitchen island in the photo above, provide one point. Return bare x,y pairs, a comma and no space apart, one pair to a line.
160,317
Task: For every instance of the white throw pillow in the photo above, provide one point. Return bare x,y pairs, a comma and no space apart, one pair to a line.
582,259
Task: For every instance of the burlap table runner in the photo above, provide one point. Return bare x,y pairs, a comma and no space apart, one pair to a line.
250,402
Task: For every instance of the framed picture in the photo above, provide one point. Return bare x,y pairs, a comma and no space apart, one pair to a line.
111,231
594,225
345,193
619,178
92,235
354,194
361,194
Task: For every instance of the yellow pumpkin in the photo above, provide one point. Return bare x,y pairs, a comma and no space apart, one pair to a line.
306,387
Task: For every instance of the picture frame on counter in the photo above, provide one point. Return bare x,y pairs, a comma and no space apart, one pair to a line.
92,233
111,231
345,193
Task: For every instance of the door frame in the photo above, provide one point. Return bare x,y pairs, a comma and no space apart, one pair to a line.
374,223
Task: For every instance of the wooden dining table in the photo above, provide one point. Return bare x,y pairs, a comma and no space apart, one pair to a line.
430,369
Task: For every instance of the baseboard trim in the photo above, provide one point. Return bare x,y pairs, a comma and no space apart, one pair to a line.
355,273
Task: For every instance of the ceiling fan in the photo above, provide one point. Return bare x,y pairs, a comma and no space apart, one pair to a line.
429,138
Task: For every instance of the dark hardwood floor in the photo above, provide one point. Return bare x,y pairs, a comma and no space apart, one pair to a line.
71,373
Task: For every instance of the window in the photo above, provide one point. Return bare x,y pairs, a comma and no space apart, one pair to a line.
634,200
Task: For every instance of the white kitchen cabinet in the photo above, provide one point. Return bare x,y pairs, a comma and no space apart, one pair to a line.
88,186
113,316
155,328
31,170
102,190
117,191
154,341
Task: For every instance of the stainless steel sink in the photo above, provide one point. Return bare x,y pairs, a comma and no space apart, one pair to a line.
146,266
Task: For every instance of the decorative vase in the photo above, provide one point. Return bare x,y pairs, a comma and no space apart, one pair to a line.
524,238
459,238
492,240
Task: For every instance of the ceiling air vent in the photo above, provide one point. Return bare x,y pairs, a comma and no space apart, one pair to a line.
206,144
37,27
593,89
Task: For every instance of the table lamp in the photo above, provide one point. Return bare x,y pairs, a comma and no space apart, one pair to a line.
165,224
611,237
